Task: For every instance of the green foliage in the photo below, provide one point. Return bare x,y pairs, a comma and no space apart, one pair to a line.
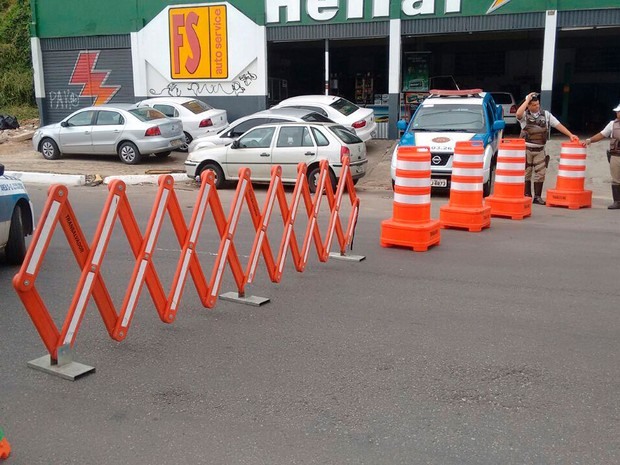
16,85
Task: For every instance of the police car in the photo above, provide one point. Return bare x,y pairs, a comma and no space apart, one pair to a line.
447,117
16,218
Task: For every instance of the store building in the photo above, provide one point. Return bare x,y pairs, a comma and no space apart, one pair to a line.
245,55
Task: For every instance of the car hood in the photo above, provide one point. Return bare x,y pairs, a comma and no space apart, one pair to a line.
444,141
205,153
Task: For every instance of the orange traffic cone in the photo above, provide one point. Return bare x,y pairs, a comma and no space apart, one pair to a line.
508,199
569,191
465,209
5,447
411,224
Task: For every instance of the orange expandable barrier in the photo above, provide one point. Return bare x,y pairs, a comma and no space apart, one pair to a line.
569,191
465,209
117,207
5,447
411,224
508,199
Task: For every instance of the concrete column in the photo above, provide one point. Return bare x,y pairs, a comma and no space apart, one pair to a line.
394,85
551,21
39,82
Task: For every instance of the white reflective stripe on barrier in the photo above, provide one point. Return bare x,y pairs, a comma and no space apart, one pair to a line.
133,299
511,166
466,186
571,174
573,151
413,165
511,153
158,217
458,157
412,182
509,179
107,230
45,232
572,162
412,199
467,172
81,305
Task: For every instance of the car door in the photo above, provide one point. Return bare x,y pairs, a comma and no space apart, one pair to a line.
75,134
107,131
252,150
293,145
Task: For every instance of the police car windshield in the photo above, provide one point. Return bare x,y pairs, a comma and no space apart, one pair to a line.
449,118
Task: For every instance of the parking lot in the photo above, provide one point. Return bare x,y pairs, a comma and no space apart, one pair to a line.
493,347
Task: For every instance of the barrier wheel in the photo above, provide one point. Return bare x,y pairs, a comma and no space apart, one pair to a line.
313,179
15,250
129,153
49,149
220,180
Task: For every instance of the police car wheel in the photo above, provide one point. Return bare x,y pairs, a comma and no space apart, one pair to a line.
16,245
49,149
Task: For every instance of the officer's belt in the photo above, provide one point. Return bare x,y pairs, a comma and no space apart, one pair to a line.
535,149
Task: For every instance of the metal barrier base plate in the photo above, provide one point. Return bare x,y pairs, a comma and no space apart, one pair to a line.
350,258
70,371
252,300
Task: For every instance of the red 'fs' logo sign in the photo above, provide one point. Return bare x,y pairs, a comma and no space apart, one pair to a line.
198,42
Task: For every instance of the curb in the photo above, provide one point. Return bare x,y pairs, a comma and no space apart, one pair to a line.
81,179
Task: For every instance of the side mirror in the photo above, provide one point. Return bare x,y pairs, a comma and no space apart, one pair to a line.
235,144
64,124
402,125
498,125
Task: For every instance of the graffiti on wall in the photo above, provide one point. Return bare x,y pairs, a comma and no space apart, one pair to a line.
93,81
63,100
236,87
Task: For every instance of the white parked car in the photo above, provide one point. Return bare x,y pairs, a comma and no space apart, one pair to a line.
238,127
16,218
284,144
199,118
122,129
338,109
509,105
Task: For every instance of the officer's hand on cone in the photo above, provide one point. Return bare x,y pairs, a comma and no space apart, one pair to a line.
574,138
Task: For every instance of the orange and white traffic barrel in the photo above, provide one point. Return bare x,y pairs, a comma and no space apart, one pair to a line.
508,199
5,447
465,209
569,191
411,224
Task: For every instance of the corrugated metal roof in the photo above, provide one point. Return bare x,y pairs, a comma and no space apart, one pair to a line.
329,31
428,26
587,18
90,42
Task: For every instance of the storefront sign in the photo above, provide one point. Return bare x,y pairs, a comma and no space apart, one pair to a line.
198,42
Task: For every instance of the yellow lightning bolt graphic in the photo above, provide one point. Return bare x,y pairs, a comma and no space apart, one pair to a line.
497,4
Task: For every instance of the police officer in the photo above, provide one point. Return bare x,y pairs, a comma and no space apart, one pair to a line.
611,131
535,128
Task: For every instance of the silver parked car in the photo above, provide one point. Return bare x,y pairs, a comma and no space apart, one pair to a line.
284,144
126,130
238,127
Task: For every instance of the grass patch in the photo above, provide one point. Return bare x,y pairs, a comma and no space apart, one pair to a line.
21,112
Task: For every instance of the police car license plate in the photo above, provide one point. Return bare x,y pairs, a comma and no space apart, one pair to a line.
439,183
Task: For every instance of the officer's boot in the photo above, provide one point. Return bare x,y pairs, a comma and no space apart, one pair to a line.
528,188
538,187
615,191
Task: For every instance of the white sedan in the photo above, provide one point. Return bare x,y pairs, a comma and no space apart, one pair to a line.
16,218
284,144
338,109
199,118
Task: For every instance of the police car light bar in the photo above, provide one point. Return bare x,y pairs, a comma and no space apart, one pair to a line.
462,93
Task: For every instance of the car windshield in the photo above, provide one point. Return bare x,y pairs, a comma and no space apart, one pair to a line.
453,117
197,106
316,118
345,135
344,106
146,113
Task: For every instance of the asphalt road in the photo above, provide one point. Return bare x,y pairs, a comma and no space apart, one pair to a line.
493,347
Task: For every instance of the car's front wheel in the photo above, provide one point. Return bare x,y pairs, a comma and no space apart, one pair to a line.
129,153
220,180
15,250
49,149
486,188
